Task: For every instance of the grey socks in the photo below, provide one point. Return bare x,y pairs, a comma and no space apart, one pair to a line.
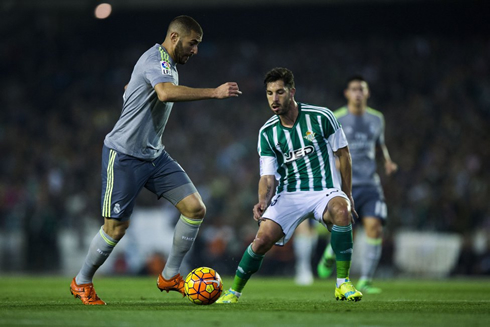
100,249
184,235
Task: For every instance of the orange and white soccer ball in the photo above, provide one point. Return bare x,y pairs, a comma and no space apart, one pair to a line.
203,285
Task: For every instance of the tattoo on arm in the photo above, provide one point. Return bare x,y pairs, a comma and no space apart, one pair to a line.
269,191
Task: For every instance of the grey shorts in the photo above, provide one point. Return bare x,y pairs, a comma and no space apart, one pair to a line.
124,176
370,201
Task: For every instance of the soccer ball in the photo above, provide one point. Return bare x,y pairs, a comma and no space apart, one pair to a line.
203,286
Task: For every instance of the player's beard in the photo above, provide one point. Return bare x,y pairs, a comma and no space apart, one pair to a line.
180,56
284,107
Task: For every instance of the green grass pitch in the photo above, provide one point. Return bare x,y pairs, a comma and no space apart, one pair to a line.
46,301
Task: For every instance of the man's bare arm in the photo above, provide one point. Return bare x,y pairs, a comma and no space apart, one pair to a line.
168,92
345,168
267,189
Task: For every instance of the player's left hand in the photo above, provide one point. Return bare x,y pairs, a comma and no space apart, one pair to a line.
390,167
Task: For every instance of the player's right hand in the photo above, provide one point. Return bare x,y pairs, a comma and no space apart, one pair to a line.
390,167
259,210
353,211
227,90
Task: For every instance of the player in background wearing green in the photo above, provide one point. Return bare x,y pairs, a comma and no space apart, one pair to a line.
299,181
364,128
133,157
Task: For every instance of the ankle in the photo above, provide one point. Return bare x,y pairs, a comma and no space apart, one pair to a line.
237,294
340,281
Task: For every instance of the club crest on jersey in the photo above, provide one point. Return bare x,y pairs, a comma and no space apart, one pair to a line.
165,67
310,136
299,153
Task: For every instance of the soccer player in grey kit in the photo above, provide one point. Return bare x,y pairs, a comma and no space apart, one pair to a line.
133,157
364,129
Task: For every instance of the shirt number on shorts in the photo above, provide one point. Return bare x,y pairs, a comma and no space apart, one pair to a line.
274,200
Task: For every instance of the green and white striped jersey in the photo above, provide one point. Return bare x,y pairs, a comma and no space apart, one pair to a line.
305,152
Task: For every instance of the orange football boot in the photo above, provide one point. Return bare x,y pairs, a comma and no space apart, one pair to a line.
174,284
86,293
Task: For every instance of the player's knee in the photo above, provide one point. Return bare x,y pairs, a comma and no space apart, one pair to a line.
262,244
117,234
340,214
373,230
198,211
192,207
115,229
373,233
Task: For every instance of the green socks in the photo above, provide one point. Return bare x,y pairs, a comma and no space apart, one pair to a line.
342,244
248,266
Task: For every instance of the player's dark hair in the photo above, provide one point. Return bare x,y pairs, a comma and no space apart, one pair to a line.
185,24
356,78
280,73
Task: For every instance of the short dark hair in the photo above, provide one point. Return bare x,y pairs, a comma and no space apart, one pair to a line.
185,24
357,78
280,73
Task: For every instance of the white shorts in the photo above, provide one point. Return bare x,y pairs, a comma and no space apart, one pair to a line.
288,210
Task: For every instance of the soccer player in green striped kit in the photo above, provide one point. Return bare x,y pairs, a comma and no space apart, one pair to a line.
299,180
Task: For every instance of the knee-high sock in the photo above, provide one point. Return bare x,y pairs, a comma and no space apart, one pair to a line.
185,233
99,250
370,258
303,249
342,245
248,266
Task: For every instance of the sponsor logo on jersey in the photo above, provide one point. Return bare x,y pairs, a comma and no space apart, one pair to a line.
310,136
299,153
165,67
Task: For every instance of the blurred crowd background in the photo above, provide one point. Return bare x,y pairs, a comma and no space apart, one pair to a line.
62,74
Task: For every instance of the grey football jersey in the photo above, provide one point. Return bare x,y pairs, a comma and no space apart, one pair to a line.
139,130
363,133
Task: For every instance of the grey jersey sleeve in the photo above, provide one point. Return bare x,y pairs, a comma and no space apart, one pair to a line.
139,130
158,70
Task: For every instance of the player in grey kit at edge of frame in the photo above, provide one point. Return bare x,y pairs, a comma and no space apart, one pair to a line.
133,157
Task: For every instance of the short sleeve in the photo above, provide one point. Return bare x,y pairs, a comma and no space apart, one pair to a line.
264,147
268,166
337,140
159,71
330,124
